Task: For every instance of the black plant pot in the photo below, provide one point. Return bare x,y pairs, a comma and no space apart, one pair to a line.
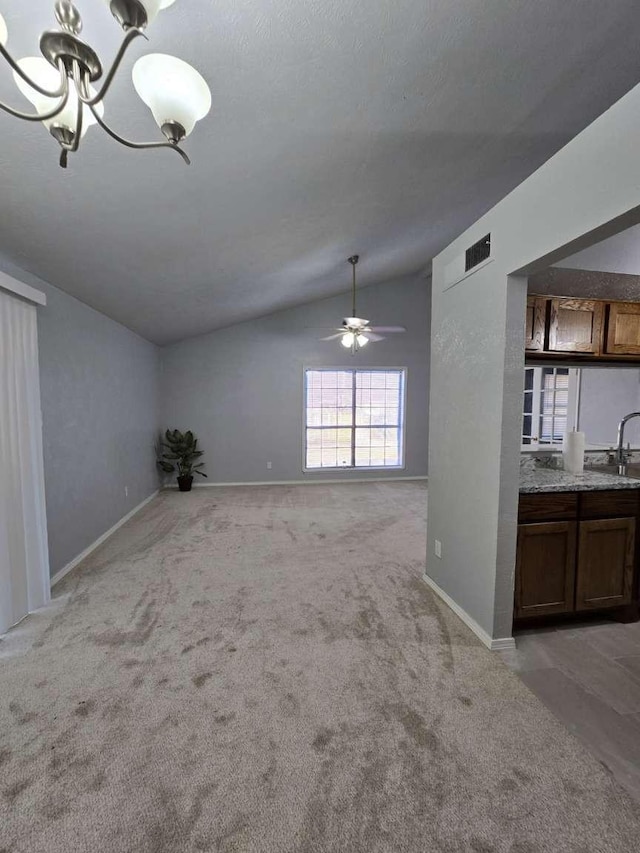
184,483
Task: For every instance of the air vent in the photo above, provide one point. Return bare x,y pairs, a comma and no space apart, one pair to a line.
479,252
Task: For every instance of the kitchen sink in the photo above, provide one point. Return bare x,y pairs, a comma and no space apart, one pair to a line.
633,470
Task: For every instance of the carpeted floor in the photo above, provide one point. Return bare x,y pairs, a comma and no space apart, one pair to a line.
262,669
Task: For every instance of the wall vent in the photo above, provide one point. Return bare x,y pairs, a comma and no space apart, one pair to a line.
477,253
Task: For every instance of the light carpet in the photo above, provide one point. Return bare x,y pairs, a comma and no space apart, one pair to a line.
262,669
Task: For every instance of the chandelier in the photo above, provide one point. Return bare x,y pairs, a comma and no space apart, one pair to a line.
59,83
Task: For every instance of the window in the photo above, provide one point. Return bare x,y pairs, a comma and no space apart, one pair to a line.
354,418
550,404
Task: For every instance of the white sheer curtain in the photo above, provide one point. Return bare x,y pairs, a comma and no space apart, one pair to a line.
24,560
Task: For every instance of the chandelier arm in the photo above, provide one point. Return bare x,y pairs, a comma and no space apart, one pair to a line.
130,36
140,145
40,116
64,85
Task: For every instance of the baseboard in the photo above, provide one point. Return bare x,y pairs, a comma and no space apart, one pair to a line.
76,560
503,643
481,634
302,482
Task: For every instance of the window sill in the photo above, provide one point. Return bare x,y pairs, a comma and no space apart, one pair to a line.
355,470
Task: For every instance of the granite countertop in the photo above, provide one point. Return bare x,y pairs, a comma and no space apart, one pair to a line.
556,480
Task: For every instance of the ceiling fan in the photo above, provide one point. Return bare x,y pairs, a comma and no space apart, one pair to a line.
356,332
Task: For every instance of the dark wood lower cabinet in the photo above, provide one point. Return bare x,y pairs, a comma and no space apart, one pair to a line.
606,553
545,568
581,557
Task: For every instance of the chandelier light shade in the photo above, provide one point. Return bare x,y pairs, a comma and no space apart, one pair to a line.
151,8
45,75
173,90
59,83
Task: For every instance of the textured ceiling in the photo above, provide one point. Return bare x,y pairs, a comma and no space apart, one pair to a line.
383,127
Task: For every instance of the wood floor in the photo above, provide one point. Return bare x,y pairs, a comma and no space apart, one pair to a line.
589,676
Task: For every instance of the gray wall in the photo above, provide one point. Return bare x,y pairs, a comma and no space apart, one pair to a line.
100,408
240,388
617,254
606,395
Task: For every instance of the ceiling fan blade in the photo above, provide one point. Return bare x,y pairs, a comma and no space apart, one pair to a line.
388,329
332,337
372,337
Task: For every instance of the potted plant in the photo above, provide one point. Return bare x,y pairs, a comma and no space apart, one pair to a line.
181,449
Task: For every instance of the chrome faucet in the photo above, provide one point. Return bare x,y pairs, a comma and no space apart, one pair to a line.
621,457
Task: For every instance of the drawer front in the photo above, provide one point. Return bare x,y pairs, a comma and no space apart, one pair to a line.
614,504
548,506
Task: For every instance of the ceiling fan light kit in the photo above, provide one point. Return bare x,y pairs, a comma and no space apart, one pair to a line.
350,341
356,332
58,83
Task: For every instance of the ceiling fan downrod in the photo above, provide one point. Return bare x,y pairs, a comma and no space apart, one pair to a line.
356,332
353,260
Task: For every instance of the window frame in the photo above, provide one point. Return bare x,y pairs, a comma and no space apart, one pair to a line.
573,407
403,422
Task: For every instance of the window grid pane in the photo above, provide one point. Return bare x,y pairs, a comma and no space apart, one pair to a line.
527,420
554,404
353,418
548,404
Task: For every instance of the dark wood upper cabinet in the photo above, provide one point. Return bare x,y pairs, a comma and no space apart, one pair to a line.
545,568
535,324
605,563
575,325
559,328
623,329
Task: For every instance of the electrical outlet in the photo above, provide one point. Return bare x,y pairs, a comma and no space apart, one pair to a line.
126,491
438,549
269,466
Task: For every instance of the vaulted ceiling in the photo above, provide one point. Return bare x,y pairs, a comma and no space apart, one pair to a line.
617,254
383,127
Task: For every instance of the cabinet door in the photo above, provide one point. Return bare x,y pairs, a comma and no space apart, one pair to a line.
623,331
605,563
534,324
545,568
575,325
